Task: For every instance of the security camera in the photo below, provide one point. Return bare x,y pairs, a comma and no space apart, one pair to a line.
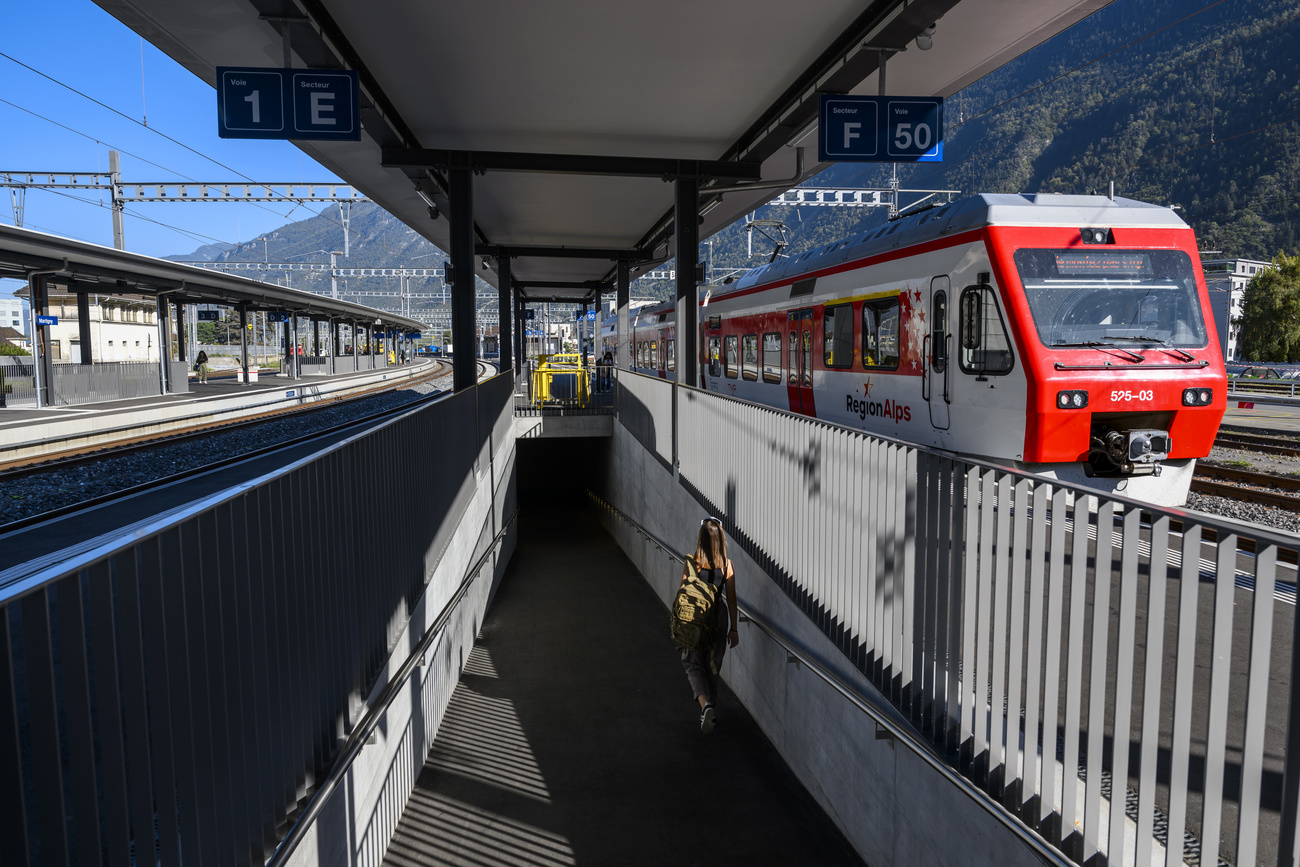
926,39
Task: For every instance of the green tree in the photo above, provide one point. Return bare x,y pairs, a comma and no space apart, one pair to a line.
7,348
1270,319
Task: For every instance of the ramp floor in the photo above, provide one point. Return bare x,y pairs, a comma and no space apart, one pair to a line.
573,738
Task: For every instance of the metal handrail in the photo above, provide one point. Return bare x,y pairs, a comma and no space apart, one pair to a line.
356,741
906,736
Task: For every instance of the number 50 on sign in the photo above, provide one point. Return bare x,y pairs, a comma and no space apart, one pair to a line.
883,129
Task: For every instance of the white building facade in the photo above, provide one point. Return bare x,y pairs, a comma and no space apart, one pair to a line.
122,327
1226,281
11,314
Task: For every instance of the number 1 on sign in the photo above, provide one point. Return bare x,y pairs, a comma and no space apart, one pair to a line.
257,107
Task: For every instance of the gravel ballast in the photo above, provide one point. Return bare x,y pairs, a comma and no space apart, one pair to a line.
43,492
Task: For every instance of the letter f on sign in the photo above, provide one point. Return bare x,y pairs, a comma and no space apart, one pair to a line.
850,133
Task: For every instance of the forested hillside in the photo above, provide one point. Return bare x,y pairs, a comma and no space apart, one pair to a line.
1194,104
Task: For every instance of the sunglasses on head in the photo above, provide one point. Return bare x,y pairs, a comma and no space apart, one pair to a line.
711,520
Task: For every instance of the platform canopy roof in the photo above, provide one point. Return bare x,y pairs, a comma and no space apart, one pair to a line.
86,267
731,81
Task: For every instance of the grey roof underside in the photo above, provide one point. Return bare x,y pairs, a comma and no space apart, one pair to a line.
675,79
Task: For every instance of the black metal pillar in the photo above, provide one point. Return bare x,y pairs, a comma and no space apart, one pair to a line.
687,228
505,309
623,355
243,343
521,327
461,192
83,327
164,347
40,303
182,334
287,366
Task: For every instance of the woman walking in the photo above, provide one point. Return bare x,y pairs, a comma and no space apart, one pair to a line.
702,665
201,365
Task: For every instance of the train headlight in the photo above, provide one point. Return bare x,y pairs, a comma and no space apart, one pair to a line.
1197,396
1072,399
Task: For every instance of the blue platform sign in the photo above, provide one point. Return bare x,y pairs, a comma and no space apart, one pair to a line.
591,315
277,316
880,129
301,104
47,320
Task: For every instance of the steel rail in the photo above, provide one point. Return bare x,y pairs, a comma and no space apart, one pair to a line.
92,454
906,736
356,741
93,502
1236,492
1255,445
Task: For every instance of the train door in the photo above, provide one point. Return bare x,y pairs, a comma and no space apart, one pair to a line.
937,393
799,373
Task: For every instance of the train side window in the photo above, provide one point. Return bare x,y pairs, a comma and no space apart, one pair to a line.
640,354
939,341
715,356
880,333
837,336
731,356
772,357
671,346
985,349
749,357
794,354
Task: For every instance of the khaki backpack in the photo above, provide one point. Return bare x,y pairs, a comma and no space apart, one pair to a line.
693,620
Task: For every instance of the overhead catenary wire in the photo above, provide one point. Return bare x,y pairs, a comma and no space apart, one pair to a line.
169,138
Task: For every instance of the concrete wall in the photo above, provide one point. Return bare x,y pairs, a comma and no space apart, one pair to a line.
893,807
357,824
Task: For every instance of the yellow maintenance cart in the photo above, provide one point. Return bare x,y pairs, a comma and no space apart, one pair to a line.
561,380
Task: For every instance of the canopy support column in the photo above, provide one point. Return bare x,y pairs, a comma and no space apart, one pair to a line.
461,193
505,344
687,229
623,353
83,327
243,343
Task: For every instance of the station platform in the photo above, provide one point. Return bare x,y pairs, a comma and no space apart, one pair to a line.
1265,416
27,430
572,737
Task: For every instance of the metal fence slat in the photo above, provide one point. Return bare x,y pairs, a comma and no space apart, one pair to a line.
982,755
999,719
1152,681
1252,757
46,758
112,759
1182,718
1019,550
157,679
1220,676
13,803
135,700
971,700
1124,654
1074,665
1052,666
78,729
1100,639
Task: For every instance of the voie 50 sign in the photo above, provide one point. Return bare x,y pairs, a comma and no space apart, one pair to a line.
885,129
302,104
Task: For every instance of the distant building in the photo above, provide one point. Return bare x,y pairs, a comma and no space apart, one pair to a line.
1226,280
122,327
11,314
15,337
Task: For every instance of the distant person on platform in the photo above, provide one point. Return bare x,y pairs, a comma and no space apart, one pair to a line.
607,370
201,365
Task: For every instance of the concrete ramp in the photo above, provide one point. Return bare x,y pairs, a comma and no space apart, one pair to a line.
573,738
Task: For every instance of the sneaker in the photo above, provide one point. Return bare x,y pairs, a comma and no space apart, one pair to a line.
706,719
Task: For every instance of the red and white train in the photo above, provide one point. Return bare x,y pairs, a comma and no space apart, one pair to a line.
1070,336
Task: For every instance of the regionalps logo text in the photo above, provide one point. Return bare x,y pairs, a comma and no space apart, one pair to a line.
888,409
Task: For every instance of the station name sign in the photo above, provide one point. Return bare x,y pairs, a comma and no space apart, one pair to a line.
880,129
299,104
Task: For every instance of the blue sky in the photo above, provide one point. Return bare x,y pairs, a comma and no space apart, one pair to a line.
97,55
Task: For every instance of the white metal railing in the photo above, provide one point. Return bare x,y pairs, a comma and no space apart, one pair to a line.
1009,618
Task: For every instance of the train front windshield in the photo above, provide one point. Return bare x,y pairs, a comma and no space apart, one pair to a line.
1084,297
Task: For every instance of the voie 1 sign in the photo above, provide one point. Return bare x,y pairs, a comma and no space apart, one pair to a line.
883,129
302,104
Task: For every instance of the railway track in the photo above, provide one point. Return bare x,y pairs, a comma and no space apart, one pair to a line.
1248,485
1274,445
16,469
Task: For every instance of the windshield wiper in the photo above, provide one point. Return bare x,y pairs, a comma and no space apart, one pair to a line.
1163,344
1098,344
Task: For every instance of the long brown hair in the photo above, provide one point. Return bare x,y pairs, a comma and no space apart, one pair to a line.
711,548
